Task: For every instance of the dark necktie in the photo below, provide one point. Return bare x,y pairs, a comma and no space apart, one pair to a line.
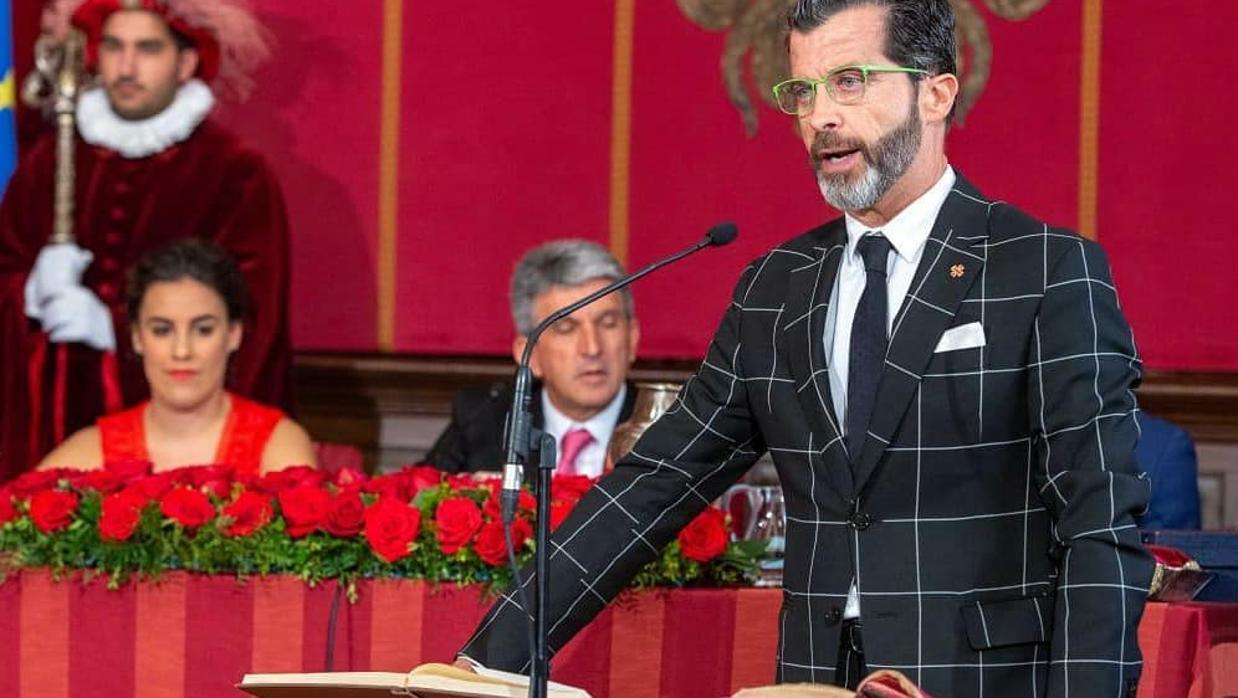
868,341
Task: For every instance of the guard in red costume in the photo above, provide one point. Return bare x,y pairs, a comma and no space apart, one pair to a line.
150,167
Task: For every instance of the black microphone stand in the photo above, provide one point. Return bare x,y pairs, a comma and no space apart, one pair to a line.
519,437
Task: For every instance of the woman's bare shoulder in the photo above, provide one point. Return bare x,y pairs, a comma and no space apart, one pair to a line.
81,451
288,446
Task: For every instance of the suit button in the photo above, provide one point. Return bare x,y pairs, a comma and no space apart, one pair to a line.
860,521
832,616
108,292
118,214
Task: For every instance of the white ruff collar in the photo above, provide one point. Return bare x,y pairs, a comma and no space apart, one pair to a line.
100,125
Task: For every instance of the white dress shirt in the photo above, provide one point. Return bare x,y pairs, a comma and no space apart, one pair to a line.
907,232
592,458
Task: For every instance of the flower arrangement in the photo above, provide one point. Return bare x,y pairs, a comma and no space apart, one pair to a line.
417,523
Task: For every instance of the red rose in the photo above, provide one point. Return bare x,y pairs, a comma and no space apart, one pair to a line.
346,516
393,486
348,478
208,479
221,489
457,519
419,477
35,481
101,481
491,546
52,510
390,527
250,512
121,513
182,475
128,469
288,478
463,481
250,481
200,475
154,486
212,479
706,537
8,512
188,507
493,507
304,508
304,475
138,494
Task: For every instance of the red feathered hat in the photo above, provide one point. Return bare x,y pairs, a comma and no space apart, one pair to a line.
91,16
229,39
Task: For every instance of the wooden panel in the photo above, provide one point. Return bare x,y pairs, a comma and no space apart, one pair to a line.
1218,484
1205,404
387,404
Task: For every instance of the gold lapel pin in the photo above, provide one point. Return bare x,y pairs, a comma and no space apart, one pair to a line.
956,271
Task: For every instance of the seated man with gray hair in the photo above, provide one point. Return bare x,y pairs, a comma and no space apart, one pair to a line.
580,365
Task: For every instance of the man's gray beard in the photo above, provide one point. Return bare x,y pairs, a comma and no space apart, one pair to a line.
891,157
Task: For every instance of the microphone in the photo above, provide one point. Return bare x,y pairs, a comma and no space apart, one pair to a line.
518,419
722,234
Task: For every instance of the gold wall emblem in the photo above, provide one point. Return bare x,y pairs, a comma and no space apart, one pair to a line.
755,32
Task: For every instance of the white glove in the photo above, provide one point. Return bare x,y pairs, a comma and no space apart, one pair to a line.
75,314
58,267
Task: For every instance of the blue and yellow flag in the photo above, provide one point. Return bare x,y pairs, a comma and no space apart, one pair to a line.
8,96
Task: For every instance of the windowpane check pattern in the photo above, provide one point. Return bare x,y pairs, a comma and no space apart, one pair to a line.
988,521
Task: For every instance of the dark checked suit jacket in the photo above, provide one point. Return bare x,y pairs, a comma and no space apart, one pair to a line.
988,519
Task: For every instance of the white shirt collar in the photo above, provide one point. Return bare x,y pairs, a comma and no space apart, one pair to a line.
910,228
599,425
100,125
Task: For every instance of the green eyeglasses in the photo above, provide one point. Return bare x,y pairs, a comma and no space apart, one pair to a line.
845,85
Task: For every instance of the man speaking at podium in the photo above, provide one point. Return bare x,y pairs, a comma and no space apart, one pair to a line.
945,386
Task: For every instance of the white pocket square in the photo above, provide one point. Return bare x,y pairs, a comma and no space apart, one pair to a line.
967,336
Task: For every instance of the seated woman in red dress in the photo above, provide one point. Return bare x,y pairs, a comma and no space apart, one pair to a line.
186,302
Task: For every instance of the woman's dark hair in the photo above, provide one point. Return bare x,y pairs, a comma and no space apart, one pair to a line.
195,259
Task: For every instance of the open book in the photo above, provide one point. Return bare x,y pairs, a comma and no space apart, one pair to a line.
425,681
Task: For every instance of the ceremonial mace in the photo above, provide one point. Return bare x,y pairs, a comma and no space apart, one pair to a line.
53,87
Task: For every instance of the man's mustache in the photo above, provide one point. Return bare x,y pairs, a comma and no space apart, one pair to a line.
125,82
831,141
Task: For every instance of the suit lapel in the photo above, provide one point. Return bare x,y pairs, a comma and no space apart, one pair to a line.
535,407
953,260
629,403
808,301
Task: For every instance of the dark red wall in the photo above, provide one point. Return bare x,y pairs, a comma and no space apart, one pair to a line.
505,139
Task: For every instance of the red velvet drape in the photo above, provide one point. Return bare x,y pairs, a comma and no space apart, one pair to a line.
505,131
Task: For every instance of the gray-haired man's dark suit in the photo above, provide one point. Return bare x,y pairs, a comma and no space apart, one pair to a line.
987,522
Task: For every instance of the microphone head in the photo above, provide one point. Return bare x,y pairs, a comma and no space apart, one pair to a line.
722,234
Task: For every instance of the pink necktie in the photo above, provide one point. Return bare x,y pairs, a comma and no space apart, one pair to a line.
574,441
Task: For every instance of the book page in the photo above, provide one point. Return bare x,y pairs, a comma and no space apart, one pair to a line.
492,676
425,681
